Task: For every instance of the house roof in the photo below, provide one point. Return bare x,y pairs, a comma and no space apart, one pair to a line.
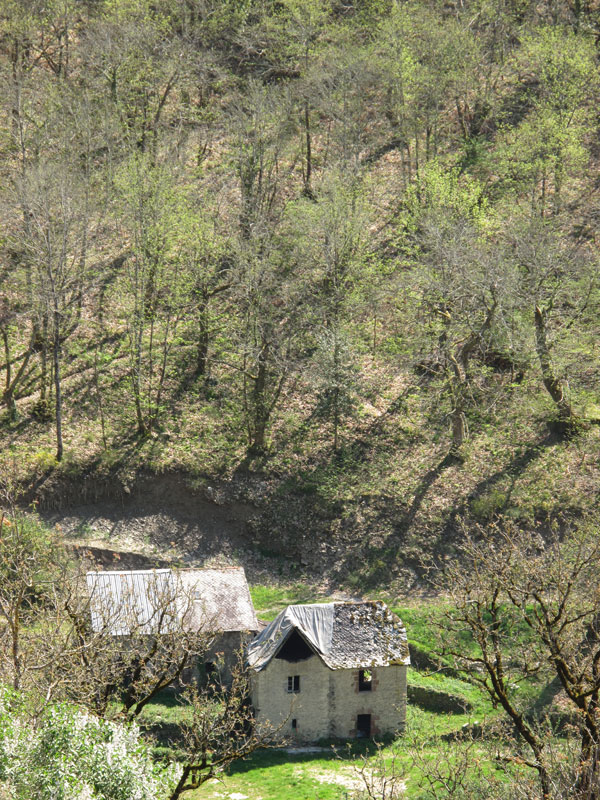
344,635
165,601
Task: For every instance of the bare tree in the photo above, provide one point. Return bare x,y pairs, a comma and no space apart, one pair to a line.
23,558
13,315
62,637
259,120
267,338
466,289
460,767
55,244
152,281
531,605
126,641
382,778
219,731
208,258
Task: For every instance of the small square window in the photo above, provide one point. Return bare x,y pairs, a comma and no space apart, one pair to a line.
293,684
365,680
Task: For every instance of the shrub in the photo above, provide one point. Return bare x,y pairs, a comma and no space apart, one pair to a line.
72,755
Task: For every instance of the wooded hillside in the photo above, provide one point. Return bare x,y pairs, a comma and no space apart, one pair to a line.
336,257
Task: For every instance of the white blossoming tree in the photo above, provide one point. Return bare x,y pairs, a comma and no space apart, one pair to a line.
72,755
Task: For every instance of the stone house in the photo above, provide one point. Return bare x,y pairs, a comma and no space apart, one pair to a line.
215,601
335,670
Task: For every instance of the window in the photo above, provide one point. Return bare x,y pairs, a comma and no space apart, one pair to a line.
294,724
365,680
293,684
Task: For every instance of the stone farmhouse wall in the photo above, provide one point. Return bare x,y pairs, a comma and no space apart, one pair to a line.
329,701
225,652
220,658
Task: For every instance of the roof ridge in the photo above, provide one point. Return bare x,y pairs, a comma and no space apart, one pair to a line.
151,571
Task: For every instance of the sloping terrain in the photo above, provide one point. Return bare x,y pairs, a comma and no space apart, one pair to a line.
304,284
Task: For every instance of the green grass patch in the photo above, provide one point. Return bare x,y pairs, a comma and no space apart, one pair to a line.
439,682
331,773
276,774
422,623
167,708
270,600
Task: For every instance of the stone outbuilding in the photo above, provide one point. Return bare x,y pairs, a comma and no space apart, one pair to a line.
215,601
334,670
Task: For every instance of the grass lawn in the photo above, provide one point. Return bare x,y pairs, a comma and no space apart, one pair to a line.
331,773
275,774
270,600
166,708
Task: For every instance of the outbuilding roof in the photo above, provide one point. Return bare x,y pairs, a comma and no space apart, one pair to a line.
222,598
344,635
165,601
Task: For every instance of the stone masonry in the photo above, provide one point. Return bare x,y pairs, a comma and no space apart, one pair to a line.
329,700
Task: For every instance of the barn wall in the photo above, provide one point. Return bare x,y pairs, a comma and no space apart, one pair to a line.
223,654
227,651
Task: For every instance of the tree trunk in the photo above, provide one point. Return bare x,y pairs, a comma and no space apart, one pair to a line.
136,381
308,174
57,386
44,366
182,781
203,336
260,407
587,780
552,384
459,382
9,401
16,654
8,395
336,393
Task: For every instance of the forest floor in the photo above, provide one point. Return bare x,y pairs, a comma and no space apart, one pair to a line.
357,519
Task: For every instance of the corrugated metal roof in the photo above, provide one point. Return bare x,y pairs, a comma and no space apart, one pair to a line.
344,635
133,601
164,601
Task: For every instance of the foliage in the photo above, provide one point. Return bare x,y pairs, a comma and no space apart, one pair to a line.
72,755
203,196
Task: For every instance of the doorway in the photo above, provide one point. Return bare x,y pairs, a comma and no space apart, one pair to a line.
363,726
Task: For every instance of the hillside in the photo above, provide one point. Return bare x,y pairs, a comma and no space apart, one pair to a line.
307,285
